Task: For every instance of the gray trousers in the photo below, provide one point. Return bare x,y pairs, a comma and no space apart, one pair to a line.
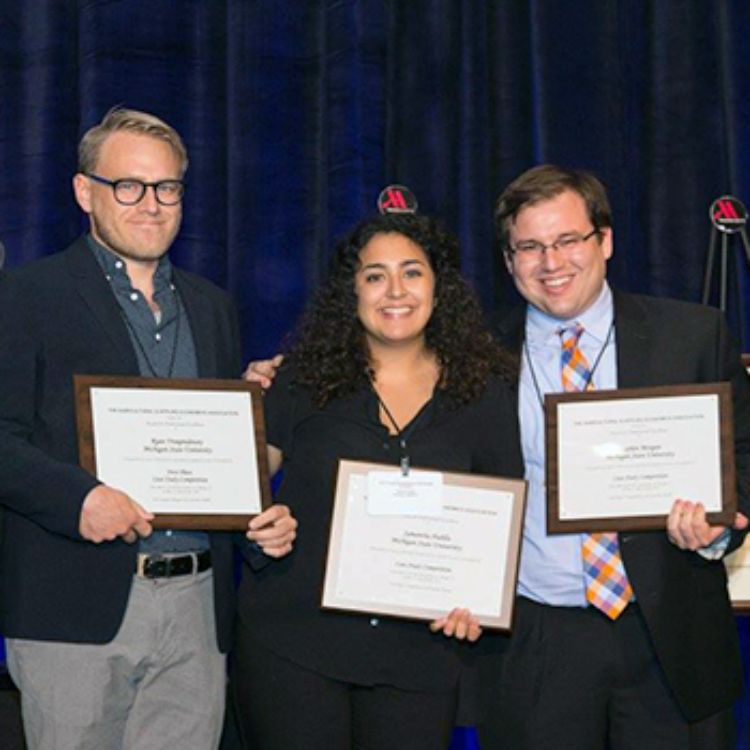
159,684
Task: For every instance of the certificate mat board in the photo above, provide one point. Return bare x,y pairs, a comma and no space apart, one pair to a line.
738,577
422,566
617,460
193,452
738,563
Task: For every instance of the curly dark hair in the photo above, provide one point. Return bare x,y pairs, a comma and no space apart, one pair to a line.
329,351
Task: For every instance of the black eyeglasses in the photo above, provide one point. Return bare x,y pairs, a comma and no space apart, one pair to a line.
129,191
570,242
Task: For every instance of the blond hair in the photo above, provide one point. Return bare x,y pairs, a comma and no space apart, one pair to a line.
132,121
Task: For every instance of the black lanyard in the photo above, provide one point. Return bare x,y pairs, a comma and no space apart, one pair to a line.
405,462
590,378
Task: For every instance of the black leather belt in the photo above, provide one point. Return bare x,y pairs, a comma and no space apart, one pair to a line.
167,566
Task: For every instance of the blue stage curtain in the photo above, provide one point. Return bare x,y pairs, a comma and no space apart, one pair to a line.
296,114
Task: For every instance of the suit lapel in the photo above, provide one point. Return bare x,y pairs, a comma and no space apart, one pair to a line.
199,317
635,358
632,332
95,292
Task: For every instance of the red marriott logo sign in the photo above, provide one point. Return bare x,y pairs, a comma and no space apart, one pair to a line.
728,214
397,199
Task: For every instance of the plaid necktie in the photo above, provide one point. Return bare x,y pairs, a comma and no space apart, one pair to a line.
607,586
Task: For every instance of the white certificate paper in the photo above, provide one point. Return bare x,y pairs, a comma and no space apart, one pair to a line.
182,451
422,566
416,493
620,458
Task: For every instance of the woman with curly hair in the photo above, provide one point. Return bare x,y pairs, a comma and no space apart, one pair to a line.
392,348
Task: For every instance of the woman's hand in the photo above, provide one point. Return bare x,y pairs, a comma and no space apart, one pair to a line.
274,530
460,624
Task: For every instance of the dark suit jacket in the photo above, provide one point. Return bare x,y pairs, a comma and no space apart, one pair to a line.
59,317
683,598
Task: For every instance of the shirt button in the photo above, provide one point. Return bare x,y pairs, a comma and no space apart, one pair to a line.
134,296
374,622
158,337
118,264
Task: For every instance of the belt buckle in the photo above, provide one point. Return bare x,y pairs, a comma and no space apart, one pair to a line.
143,559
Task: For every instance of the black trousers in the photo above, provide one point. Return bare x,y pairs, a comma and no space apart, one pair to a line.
282,706
571,679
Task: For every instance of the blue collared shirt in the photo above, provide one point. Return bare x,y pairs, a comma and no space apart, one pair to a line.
551,570
164,347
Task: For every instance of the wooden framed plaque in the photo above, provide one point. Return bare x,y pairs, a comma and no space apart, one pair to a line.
193,452
415,547
617,460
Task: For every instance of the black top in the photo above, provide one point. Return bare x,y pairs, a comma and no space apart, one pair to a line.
280,605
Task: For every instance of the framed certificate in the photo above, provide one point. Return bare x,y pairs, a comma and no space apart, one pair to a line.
193,452
418,546
617,460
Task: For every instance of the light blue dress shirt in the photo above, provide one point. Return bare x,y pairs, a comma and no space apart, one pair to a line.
551,570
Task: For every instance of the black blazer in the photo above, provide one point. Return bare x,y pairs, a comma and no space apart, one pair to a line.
58,317
683,598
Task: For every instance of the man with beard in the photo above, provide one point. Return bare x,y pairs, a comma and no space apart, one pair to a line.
116,635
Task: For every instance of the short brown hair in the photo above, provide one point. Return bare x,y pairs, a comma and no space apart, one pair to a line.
132,121
544,183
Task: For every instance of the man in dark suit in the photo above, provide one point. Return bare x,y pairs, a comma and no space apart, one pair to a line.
651,661
116,636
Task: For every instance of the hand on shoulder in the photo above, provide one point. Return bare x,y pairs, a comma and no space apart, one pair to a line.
263,371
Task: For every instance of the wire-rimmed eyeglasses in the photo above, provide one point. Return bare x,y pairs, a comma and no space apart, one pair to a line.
570,241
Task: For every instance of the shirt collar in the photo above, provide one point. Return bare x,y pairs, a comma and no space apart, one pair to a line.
116,271
542,328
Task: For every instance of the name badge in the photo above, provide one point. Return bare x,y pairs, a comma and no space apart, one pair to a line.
390,493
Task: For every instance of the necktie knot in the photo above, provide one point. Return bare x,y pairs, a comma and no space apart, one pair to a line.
570,335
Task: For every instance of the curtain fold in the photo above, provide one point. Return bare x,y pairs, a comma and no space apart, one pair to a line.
297,114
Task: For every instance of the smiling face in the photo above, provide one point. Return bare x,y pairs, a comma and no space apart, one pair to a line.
144,232
395,288
562,283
